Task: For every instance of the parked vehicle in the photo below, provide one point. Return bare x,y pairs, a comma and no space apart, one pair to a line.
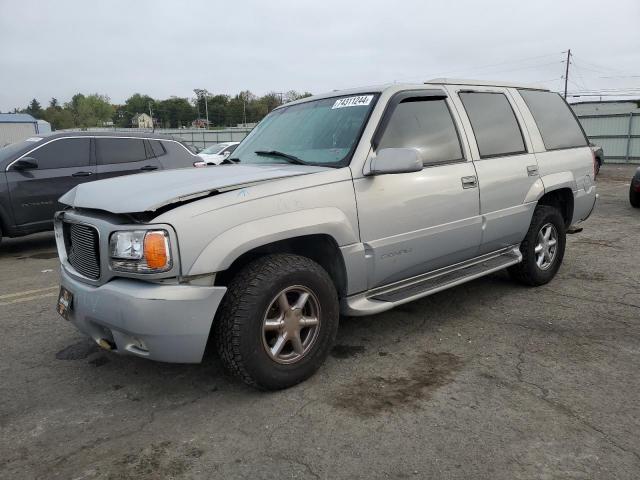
352,202
217,153
598,157
36,172
634,190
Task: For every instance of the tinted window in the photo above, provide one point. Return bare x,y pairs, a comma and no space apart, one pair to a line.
494,123
557,125
158,149
425,125
119,150
64,153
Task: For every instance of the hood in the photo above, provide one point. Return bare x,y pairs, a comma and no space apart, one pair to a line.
147,192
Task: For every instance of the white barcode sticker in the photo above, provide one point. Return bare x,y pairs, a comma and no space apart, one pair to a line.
353,101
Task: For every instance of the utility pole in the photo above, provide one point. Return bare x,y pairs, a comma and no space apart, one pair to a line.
244,111
153,124
202,92
566,73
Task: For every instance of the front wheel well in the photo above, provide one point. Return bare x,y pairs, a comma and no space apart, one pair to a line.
320,248
561,199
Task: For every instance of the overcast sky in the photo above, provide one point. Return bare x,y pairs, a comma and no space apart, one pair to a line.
161,48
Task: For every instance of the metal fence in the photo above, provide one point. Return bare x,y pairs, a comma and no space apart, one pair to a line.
198,137
617,133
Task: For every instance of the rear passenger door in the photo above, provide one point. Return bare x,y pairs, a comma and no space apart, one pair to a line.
504,160
123,156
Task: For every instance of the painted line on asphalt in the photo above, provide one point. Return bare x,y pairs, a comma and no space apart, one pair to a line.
27,299
27,292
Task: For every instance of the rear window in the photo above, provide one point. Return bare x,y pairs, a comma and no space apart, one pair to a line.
120,150
556,122
494,124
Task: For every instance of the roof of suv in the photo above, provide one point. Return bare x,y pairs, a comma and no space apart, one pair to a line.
84,133
484,83
435,82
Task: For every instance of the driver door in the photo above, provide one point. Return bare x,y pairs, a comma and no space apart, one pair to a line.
413,223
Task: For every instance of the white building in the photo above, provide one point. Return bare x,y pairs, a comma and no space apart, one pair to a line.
15,127
142,120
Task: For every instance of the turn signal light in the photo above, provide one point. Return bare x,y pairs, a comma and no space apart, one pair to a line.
156,250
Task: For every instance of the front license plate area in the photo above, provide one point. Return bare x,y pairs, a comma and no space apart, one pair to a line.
65,303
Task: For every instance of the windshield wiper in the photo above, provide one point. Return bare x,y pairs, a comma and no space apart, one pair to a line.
276,153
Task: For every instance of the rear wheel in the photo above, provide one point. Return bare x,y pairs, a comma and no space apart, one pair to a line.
634,197
542,249
277,322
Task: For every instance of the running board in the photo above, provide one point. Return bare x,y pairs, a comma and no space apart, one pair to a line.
386,297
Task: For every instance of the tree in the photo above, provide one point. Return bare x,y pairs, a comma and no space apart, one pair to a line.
136,103
53,103
293,95
34,109
175,112
90,111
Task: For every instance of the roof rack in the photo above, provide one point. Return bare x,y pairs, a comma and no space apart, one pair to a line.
484,83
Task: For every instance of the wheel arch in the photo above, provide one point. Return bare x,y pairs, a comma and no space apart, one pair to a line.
319,247
562,199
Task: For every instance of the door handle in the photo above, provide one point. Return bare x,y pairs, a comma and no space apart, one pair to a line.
469,182
532,170
81,174
148,168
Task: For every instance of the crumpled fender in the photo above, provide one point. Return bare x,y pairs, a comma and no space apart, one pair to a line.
220,253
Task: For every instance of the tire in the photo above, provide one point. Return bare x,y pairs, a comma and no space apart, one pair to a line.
254,297
634,197
529,271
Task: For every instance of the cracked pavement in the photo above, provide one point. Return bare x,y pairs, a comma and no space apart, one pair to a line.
489,380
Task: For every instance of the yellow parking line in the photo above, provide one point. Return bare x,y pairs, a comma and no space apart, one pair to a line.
26,299
27,292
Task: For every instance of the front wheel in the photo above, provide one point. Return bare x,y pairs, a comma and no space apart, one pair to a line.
542,248
277,321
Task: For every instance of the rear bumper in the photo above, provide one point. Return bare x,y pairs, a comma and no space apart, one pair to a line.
168,323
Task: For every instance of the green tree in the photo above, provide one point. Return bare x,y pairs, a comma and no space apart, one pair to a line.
34,109
136,103
175,112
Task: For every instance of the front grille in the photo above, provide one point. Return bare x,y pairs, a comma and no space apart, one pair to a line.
83,250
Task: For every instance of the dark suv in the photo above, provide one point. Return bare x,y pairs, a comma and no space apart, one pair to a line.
36,172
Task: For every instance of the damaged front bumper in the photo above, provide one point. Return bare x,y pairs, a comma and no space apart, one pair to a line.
164,322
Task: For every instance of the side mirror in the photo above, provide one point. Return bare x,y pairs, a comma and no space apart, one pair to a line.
26,163
226,154
395,160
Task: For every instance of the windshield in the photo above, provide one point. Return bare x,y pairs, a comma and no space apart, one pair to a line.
9,150
319,132
214,149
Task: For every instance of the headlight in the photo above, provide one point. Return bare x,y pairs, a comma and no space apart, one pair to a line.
140,251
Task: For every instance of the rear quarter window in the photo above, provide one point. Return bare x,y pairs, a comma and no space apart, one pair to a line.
556,122
177,156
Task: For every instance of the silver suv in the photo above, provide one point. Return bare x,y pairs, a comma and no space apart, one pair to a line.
351,202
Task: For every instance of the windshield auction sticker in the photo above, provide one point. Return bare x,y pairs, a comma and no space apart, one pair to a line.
353,101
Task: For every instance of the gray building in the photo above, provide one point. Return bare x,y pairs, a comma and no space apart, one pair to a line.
614,125
15,127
